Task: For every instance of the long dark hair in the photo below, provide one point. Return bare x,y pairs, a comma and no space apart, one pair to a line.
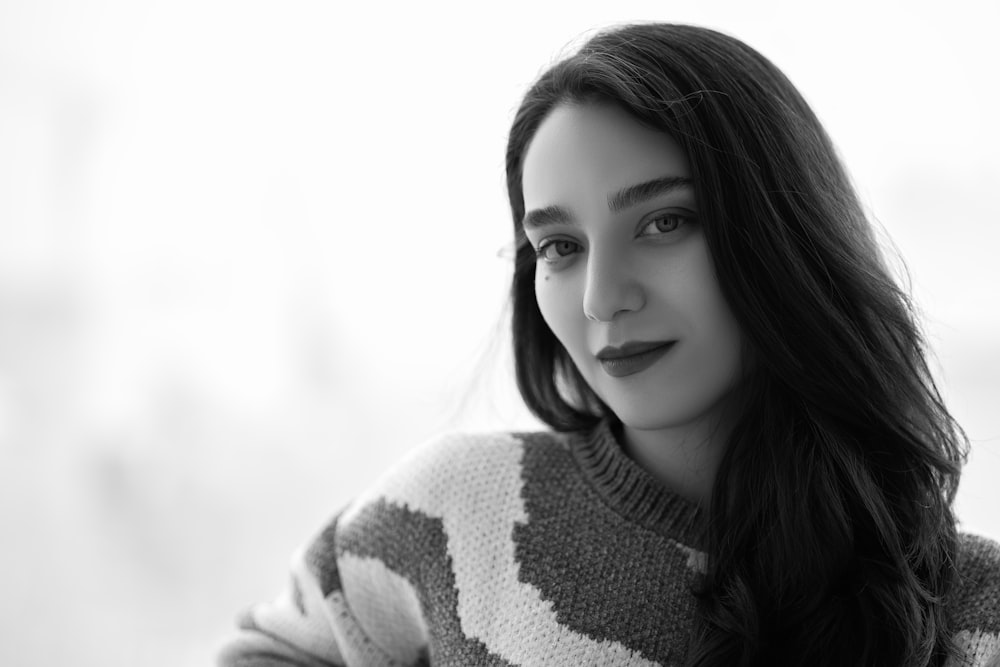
831,537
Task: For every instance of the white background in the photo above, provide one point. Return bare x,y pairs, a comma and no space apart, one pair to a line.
248,257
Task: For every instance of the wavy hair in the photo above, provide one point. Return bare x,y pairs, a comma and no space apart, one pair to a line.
831,536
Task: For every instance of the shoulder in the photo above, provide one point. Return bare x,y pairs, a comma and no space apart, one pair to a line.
978,559
975,601
452,470
449,484
978,586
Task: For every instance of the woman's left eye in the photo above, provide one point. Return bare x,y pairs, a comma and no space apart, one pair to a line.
664,223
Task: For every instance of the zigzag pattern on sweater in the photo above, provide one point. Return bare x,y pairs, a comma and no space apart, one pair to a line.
521,549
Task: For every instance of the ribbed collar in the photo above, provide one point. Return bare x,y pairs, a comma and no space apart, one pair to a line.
633,492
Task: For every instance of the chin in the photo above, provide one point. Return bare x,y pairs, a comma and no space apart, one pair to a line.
659,423
650,418
661,415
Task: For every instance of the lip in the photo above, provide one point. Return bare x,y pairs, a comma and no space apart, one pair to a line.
630,348
632,357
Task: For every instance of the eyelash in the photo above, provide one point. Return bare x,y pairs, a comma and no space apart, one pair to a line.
681,220
543,247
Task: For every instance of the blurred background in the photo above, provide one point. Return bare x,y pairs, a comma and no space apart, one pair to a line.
249,255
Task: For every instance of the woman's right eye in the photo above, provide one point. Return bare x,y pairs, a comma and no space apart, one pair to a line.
556,250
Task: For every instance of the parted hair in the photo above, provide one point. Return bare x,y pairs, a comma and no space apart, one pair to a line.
831,536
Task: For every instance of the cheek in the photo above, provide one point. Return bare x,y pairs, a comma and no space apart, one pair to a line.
709,319
558,308
720,329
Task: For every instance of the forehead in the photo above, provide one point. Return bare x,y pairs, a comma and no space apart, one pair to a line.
593,149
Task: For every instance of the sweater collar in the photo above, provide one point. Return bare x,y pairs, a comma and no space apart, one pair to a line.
631,491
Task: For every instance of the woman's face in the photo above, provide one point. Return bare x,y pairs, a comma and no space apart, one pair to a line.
624,278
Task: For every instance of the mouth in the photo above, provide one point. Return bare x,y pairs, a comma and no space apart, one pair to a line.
631,349
632,358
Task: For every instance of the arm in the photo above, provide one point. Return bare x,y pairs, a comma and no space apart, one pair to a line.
975,602
338,610
359,591
294,629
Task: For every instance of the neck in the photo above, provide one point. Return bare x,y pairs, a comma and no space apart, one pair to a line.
684,458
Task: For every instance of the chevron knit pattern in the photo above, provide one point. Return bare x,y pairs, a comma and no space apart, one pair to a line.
537,550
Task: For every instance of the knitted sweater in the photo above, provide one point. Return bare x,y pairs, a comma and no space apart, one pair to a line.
521,549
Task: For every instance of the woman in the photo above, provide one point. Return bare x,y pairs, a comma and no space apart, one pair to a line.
749,462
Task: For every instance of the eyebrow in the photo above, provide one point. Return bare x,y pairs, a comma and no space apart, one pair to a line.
617,202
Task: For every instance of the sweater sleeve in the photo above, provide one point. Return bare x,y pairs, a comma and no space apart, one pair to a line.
377,585
976,602
294,629
336,610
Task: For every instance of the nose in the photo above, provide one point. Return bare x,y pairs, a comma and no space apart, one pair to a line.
611,288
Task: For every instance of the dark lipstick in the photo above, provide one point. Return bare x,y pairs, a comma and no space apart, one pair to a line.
632,357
